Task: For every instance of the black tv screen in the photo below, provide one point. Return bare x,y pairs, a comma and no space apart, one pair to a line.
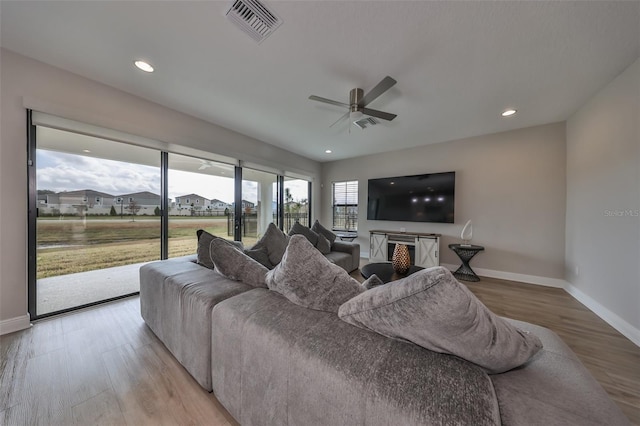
418,198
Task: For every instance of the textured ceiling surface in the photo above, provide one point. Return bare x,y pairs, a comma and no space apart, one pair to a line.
458,64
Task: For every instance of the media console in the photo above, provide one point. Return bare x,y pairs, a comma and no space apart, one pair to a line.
423,247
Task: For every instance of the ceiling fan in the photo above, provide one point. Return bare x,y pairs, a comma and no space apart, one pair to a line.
358,105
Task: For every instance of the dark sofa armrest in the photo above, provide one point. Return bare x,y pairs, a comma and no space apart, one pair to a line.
351,248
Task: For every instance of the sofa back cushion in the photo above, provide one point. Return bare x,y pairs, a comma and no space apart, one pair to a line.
203,256
317,227
432,309
275,241
307,278
234,264
299,229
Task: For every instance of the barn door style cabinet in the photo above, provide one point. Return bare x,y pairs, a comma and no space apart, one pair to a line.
424,248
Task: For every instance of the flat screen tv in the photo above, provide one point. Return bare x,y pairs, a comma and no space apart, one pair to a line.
418,198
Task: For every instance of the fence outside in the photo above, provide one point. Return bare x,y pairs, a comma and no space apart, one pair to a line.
249,222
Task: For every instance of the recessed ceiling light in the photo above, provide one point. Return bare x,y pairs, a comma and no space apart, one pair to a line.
143,66
508,112
328,151
86,150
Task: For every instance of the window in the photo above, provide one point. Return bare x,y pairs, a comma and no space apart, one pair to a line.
345,206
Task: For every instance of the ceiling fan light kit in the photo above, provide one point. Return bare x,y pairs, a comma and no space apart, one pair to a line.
358,102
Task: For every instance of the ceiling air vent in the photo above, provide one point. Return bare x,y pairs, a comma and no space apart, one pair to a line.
253,18
369,121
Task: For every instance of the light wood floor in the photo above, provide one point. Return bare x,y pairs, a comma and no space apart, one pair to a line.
104,366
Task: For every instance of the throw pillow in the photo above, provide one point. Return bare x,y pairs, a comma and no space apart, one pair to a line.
323,244
310,235
260,255
274,241
372,281
234,264
203,255
318,228
308,279
432,309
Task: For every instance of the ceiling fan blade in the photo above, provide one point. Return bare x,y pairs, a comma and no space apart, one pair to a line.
386,84
327,101
378,114
345,115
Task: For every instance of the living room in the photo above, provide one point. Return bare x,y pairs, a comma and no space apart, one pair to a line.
553,199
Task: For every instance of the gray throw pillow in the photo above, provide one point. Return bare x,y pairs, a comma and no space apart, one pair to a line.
432,309
372,281
323,244
308,279
310,235
318,228
203,255
260,255
275,241
234,264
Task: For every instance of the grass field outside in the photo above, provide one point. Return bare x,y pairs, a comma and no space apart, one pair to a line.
71,245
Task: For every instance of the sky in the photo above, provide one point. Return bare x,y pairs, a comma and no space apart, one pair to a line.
57,171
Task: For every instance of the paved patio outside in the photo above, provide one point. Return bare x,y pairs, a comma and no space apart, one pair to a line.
68,291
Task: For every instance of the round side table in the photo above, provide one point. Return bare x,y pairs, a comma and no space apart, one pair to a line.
465,253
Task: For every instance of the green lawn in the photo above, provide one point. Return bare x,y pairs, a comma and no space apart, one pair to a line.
74,245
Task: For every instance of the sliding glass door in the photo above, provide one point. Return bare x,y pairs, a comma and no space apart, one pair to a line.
201,196
259,203
97,218
99,209
297,193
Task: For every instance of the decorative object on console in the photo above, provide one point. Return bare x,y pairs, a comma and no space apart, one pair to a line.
467,234
401,260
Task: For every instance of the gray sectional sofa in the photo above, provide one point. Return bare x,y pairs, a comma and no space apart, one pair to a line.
272,362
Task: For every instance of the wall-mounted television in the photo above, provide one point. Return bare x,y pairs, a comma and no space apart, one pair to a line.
417,198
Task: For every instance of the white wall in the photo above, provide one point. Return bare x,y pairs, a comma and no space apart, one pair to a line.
603,203
62,93
511,185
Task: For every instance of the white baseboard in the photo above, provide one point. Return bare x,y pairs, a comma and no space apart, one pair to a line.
14,324
626,329
512,276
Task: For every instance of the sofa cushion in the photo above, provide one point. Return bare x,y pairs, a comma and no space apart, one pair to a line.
372,281
553,389
432,309
203,256
318,228
343,260
299,229
275,241
281,364
308,279
260,255
323,245
234,264
176,299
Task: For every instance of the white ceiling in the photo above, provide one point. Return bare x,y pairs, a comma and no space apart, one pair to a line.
458,64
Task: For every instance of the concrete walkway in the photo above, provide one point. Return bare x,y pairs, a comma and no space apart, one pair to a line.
68,291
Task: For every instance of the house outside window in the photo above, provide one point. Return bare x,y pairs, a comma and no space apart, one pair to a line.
131,199
345,206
